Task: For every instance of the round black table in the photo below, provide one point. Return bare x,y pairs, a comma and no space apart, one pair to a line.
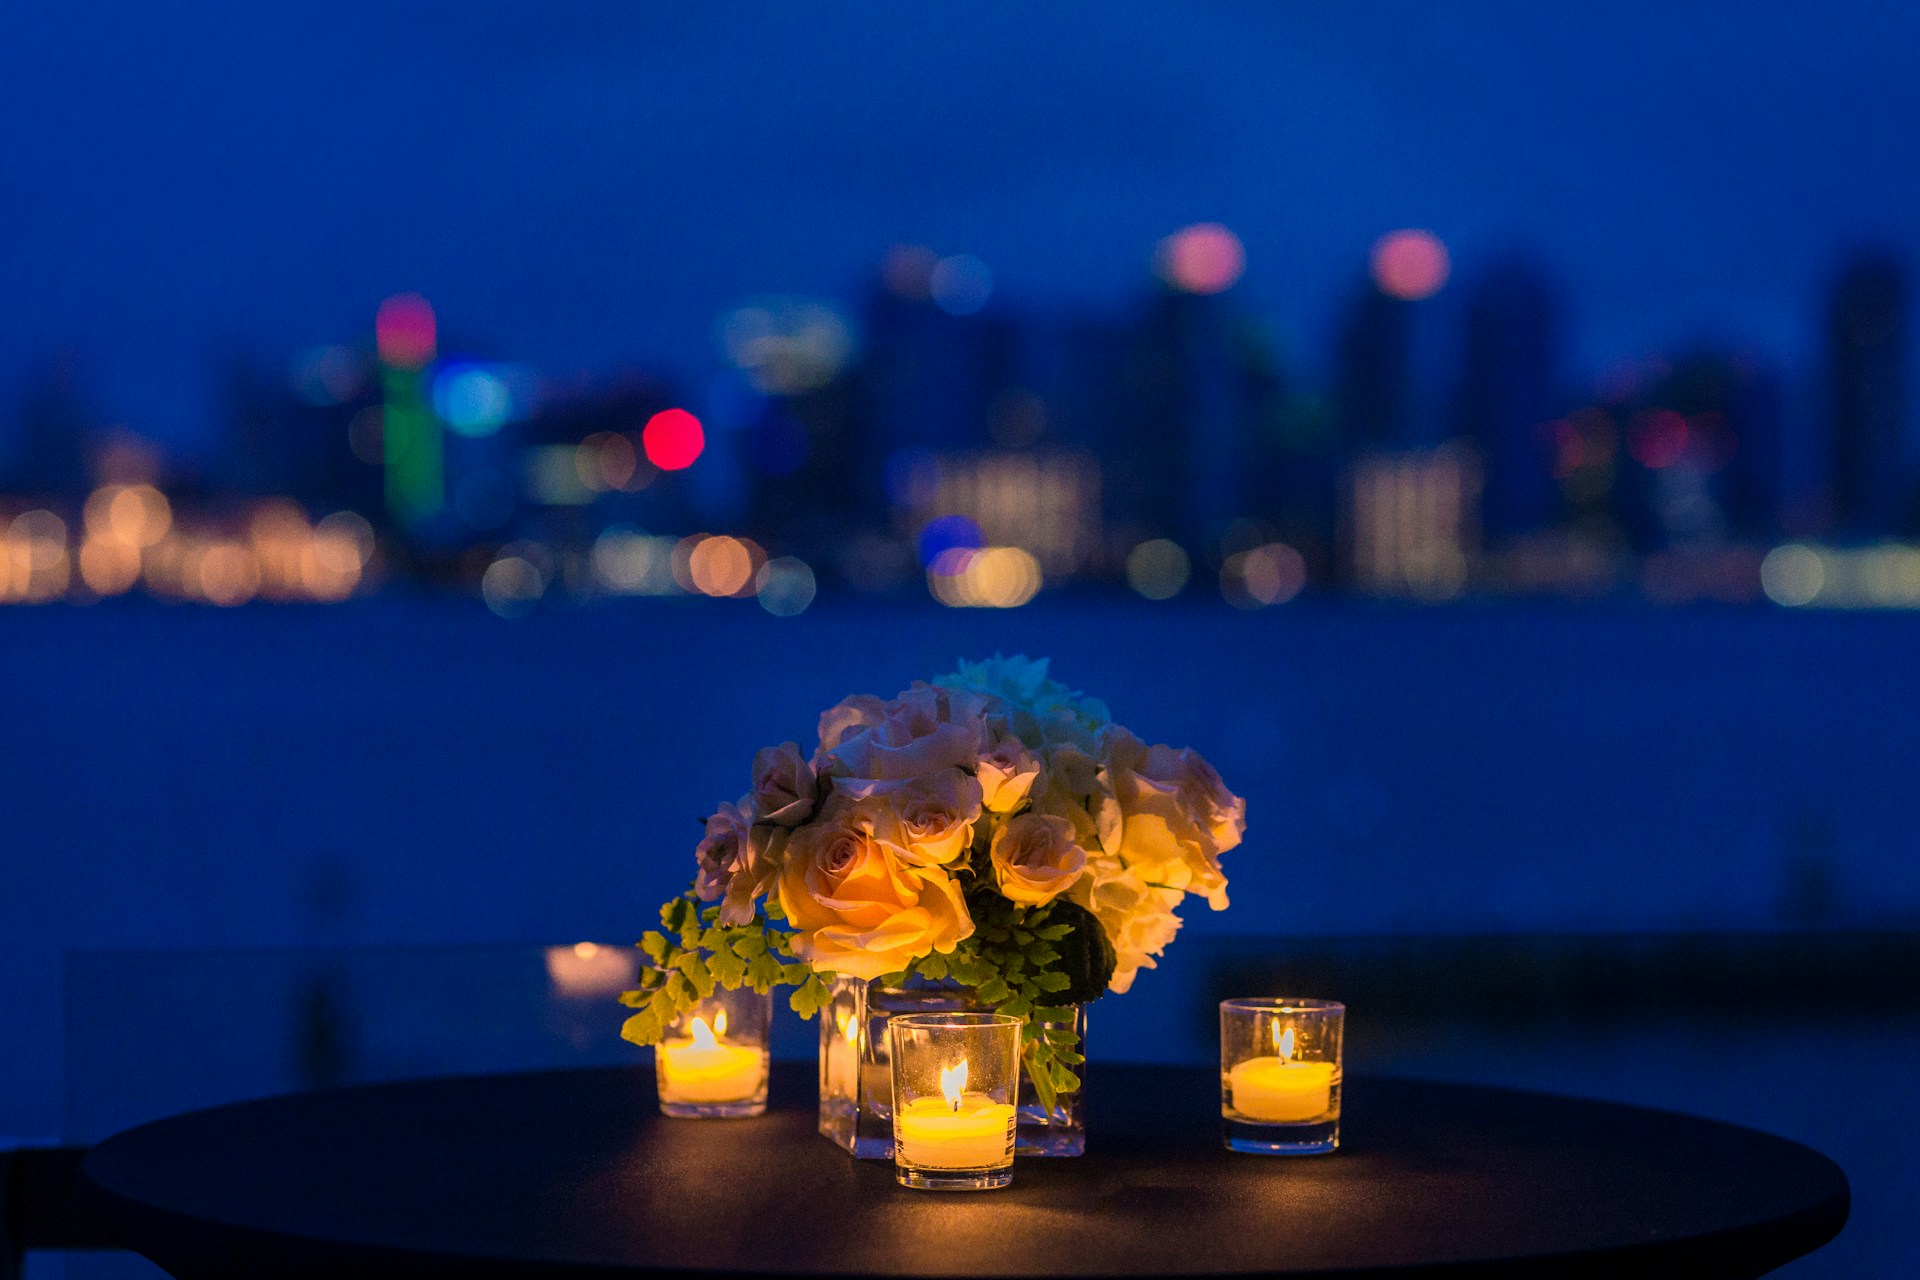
575,1173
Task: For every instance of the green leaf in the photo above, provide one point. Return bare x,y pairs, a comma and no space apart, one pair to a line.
1039,1071
695,969
679,914
992,991
933,966
774,910
1019,1006
1053,981
1054,1013
654,946
810,997
1054,932
765,972
728,968
643,1028
971,971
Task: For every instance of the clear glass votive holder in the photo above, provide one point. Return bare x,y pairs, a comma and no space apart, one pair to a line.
713,1062
956,1080
1280,1075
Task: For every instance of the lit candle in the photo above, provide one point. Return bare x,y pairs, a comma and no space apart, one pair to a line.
960,1131
1278,1089
704,1068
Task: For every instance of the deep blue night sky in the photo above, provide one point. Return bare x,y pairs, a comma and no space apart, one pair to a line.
581,184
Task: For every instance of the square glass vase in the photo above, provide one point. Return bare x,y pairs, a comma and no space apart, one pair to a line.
856,1079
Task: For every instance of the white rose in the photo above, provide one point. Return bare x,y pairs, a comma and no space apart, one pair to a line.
1137,918
1007,771
736,861
783,785
924,730
1165,819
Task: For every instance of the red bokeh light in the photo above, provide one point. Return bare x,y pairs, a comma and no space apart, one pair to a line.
1410,264
1658,439
673,438
404,331
1205,258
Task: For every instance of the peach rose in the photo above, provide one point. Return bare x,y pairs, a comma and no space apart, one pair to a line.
1035,859
783,785
1006,771
923,730
736,860
929,821
860,910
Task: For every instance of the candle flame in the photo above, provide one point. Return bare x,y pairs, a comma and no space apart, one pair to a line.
953,1082
1283,1044
703,1034
720,1023
849,1027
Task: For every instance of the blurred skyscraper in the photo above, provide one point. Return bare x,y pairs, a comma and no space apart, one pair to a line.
1182,463
931,371
1730,444
1373,391
1509,394
54,429
1867,337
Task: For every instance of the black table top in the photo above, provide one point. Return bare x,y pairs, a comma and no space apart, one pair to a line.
575,1173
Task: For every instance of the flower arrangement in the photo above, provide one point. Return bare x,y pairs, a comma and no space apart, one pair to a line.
994,829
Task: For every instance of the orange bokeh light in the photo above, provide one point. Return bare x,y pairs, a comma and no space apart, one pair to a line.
109,566
721,566
226,574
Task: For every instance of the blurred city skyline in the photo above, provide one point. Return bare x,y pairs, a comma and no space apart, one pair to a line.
1123,340
591,187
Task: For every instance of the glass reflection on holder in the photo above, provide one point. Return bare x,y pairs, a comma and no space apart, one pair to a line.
1280,1075
714,1062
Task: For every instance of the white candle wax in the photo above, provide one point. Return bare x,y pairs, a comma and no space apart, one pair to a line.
1279,1090
932,1134
703,1068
